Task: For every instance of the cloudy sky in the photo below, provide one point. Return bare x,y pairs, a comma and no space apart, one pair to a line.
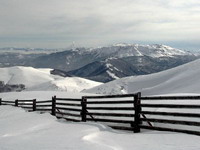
59,23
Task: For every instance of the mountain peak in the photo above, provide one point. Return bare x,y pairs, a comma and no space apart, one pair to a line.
121,50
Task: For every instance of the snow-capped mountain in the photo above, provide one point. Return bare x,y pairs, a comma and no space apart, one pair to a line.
103,64
182,79
41,79
126,50
115,68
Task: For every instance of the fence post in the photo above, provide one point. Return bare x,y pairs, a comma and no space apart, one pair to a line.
53,110
16,102
137,107
34,104
84,111
0,100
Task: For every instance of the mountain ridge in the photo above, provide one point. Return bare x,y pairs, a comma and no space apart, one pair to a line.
104,64
181,79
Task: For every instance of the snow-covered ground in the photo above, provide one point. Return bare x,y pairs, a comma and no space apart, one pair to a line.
41,79
40,95
32,131
182,79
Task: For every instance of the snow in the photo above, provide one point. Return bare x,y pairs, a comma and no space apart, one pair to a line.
125,50
182,79
22,130
41,79
112,74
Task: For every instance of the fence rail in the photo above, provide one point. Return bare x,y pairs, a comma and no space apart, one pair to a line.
115,113
183,114
67,108
124,112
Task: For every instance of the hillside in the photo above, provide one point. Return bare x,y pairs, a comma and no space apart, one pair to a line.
115,68
41,79
182,79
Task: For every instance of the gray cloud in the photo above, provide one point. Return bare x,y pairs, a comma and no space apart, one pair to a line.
57,23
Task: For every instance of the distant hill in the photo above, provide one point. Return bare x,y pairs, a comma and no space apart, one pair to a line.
41,79
182,79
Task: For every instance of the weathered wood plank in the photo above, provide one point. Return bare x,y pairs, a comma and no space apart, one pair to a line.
69,109
31,100
111,102
172,114
68,99
69,104
170,106
180,122
38,109
110,108
111,120
112,114
171,98
47,101
27,104
43,105
8,102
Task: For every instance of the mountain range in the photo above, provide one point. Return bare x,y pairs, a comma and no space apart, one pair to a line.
102,64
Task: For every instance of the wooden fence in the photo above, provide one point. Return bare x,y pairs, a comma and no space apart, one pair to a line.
117,111
161,110
125,112
67,108
30,104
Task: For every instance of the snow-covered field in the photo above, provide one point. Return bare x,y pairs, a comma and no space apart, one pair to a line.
32,131
40,95
41,79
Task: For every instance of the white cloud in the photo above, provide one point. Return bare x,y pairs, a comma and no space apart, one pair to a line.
92,22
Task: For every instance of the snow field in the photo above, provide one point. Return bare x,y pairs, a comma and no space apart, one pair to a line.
48,94
21,130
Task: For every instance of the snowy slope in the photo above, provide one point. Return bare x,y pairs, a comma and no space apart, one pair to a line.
41,79
33,131
182,79
40,95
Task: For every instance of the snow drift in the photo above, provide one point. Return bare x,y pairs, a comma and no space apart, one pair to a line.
21,130
41,79
182,79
